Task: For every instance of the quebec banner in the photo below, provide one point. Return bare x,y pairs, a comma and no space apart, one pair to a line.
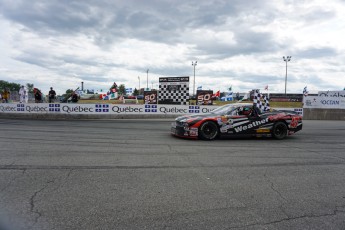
103,109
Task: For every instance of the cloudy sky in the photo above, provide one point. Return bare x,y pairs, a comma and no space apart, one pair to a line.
62,43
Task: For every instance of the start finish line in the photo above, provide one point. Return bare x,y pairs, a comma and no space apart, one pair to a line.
104,109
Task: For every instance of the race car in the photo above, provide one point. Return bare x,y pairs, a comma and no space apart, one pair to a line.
239,119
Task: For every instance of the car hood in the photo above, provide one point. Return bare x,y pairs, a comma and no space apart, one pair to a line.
194,117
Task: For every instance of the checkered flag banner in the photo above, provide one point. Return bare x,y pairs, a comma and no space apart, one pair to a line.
261,101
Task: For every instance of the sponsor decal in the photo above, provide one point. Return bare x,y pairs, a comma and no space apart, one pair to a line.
8,109
193,132
194,109
20,107
279,116
150,97
331,94
204,97
294,122
128,109
77,109
263,130
207,110
329,102
172,110
102,108
150,108
225,128
37,109
250,125
54,107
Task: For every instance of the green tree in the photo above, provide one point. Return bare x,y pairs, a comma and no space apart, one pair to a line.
122,89
136,92
9,85
69,91
30,87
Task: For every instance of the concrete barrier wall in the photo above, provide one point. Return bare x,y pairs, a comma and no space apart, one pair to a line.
94,111
85,116
308,114
323,114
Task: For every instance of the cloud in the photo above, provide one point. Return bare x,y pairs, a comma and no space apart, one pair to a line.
99,42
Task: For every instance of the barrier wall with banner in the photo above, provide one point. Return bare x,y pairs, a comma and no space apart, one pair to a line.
103,109
325,100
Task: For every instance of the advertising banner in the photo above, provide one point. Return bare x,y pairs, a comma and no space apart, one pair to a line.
333,94
204,97
336,101
150,97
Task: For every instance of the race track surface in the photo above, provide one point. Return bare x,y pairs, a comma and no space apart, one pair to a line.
132,174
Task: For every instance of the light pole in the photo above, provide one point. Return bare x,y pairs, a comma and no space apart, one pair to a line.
194,64
147,80
287,59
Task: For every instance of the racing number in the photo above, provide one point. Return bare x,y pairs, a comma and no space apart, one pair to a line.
150,98
205,97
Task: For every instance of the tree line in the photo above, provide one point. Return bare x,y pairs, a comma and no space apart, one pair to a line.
11,86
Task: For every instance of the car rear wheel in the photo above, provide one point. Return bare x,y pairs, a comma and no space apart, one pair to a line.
208,130
279,130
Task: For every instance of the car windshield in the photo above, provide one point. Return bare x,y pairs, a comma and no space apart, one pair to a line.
232,109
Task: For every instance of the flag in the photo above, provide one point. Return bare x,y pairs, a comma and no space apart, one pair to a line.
266,87
199,88
261,101
230,93
217,94
305,91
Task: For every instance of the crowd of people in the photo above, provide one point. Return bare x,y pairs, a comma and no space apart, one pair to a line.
24,95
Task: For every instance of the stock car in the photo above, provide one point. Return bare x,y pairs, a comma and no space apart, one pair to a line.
239,119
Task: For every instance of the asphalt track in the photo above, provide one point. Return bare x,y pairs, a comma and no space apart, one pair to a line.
131,174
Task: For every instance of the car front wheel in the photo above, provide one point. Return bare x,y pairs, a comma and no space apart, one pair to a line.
208,130
279,130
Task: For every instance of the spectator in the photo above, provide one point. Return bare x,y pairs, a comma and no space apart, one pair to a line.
74,97
37,95
22,94
52,95
5,95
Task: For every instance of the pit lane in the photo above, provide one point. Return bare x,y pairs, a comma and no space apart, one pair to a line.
132,174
